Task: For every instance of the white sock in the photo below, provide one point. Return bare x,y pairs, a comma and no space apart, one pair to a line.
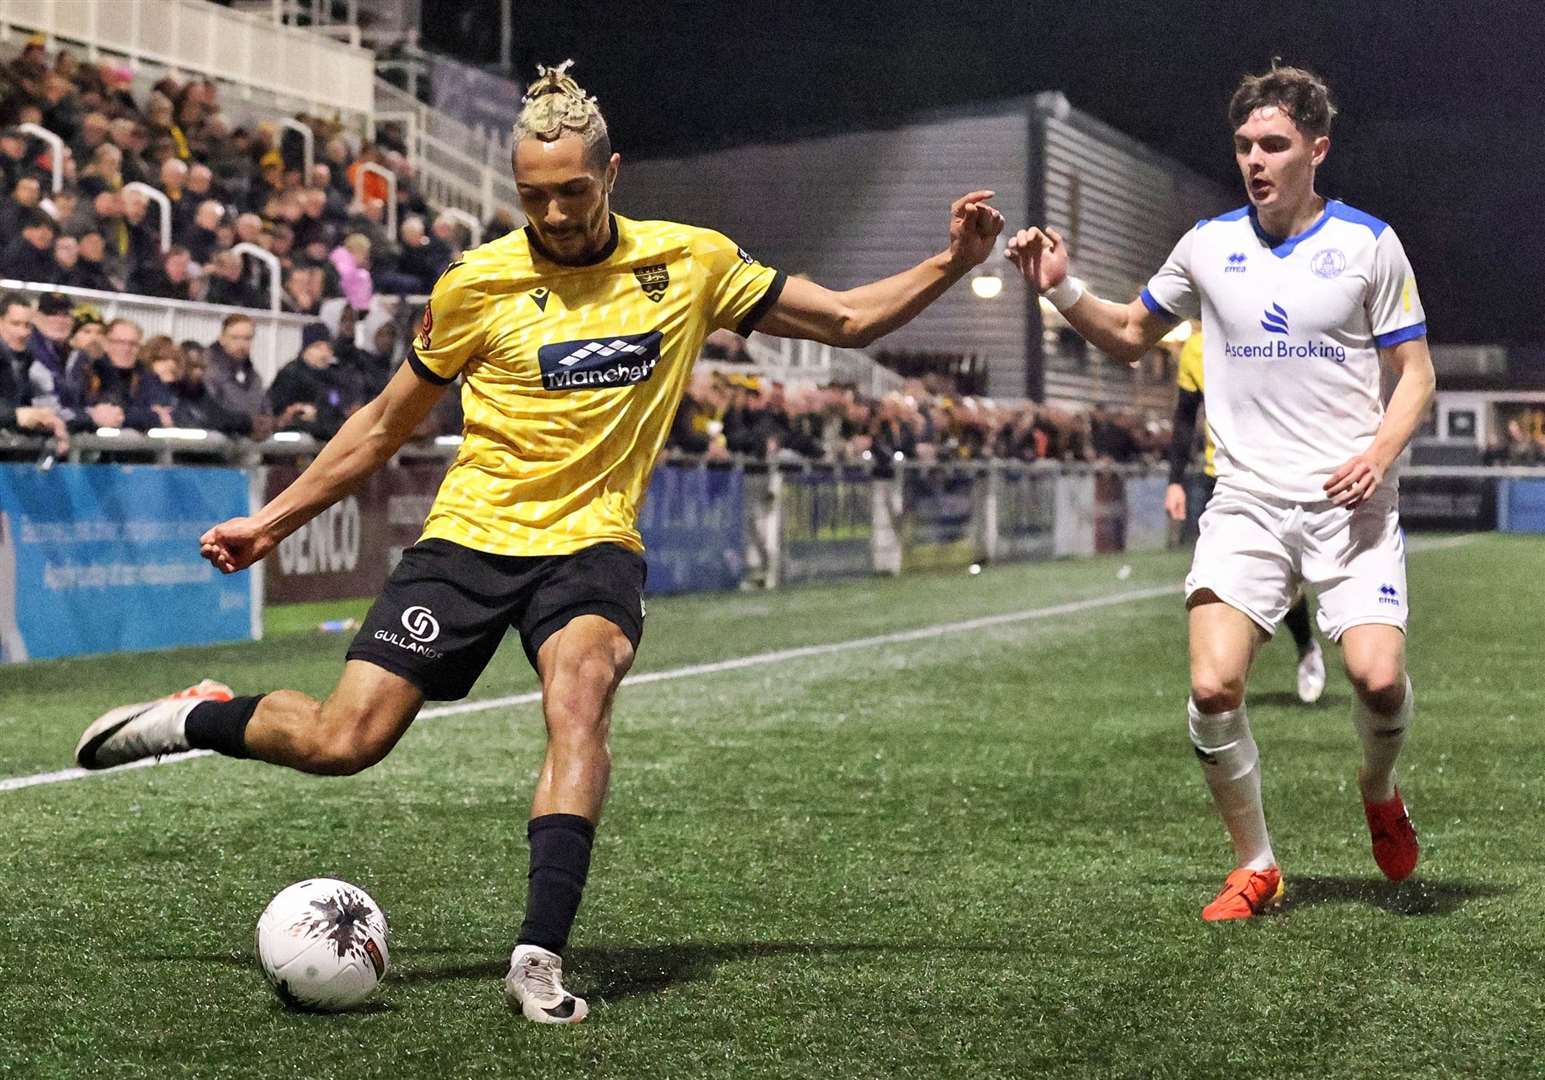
1231,764
1382,737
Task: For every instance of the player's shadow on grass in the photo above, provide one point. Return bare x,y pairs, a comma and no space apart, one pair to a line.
1416,896
1287,699
613,973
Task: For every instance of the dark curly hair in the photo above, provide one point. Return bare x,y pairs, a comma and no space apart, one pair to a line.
1301,94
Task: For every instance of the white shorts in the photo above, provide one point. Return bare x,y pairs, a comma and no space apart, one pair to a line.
1255,551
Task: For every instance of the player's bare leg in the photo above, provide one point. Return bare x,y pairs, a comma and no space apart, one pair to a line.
1223,643
581,666
356,726
1374,655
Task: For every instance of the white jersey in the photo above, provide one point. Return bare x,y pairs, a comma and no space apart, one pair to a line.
1290,336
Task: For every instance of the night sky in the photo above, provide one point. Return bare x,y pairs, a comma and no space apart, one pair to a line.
1441,133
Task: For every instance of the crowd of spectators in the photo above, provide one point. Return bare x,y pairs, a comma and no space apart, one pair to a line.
64,371
226,184
727,415
1523,443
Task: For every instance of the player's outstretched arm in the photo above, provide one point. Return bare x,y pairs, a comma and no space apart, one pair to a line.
857,317
1124,332
1361,476
366,440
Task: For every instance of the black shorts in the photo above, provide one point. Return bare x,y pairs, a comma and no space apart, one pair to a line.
446,608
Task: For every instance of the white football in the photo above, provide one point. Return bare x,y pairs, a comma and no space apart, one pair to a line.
322,944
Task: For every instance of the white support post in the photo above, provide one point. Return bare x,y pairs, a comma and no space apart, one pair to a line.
308,139
275,290
474,226
56,145
371,168
158,197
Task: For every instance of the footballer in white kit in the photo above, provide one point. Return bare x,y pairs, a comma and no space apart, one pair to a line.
1302,299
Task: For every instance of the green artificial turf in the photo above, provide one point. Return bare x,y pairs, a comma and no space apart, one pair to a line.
977,854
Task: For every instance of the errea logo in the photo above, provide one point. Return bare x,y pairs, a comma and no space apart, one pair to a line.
1236,263
1388,594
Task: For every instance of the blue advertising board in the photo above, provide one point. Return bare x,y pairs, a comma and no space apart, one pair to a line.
103,558
1521,506
693,528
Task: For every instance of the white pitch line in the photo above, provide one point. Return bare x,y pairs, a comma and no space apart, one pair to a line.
16,783
779,656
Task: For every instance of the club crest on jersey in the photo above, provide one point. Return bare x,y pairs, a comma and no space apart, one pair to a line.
599,363
1328,263
539,297
653,280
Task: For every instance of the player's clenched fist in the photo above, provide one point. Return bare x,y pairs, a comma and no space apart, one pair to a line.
235,544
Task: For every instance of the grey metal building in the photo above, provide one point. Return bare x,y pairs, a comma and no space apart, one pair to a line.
847,208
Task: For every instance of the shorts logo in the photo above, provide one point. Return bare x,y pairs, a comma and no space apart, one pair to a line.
1388,594
653,280
1328,263
599,363
420,624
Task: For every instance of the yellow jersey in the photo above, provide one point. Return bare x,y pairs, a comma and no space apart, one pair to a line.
1190,379
571,376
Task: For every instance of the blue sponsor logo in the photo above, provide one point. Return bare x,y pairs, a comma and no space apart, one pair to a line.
599,363
1328,263
1275,321
1236,263
1388,594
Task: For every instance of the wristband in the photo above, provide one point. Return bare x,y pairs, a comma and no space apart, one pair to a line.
1066,293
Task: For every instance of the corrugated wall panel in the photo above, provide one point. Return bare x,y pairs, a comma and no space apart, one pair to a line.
847,209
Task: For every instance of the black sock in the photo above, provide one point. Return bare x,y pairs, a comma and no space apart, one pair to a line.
221,726
560,861
1297,621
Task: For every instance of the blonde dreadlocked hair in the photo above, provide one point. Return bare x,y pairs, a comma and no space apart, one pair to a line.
555,105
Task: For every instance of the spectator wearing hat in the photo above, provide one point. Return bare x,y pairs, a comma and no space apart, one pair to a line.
88,345
30,256
311,393
49,346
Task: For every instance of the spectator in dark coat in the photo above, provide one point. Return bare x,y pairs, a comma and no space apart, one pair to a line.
312,393
172,279
232,381
90,271
228,283
30,256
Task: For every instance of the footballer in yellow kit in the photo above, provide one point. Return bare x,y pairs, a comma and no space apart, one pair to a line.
573,339
572,375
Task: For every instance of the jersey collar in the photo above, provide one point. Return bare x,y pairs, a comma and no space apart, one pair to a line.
599,257
1283,248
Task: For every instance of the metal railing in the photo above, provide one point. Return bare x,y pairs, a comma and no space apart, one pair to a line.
192,36
277,338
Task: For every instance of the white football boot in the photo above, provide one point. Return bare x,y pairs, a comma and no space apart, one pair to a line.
535,984
1311,674
149,729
